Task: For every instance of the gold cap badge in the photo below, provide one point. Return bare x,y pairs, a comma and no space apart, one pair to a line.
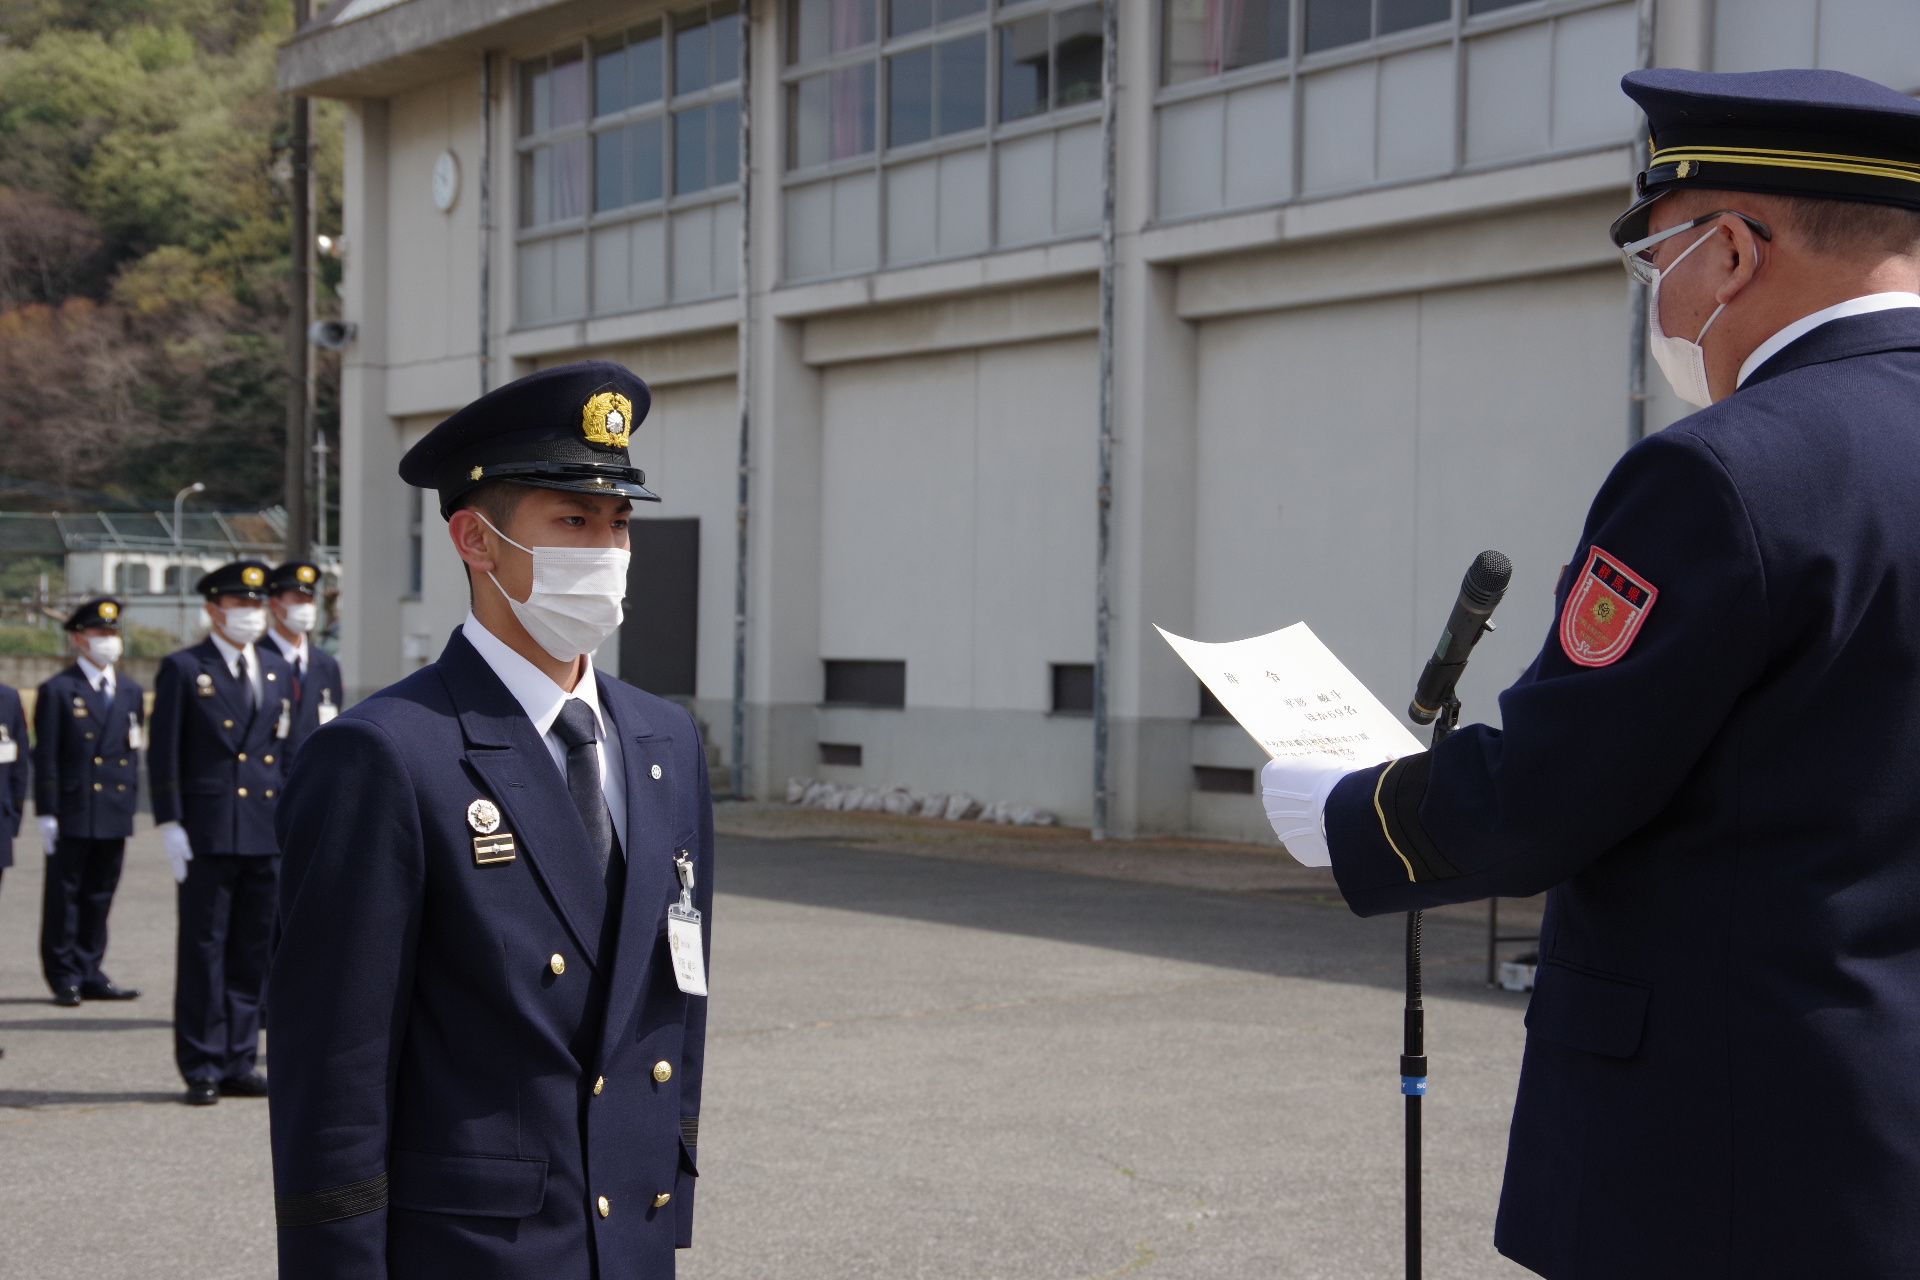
253,577
109,610
483,816
305,573
608,419
476,473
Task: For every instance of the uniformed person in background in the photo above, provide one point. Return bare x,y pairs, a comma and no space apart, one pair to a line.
1711,765
222,720
489,1012
15,769
293,599
88,722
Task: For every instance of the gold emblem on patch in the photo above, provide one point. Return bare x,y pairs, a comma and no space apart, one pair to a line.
476,473
1685,169
305,573
607,419
253,577
1603,610
109,610
483,816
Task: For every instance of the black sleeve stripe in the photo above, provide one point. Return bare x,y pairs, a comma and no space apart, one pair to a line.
1396,799
690,1130
311,1208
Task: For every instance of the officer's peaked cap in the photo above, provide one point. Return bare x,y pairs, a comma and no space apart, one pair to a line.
1791,133
562,428
101,611
241,578
294,575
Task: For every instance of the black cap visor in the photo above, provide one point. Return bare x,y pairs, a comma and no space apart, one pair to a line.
601,479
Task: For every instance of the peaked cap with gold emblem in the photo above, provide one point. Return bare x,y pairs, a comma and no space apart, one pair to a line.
562,428
1824,134
295,575
245,578
101,611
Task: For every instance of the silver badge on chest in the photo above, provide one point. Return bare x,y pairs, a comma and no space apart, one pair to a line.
484,816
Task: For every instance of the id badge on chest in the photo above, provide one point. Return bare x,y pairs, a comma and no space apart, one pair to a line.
683,933
9,747
136,736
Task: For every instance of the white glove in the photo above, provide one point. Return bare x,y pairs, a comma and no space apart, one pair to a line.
49,832
179,849
1296,792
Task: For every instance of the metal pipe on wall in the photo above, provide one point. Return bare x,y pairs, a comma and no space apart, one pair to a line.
298,461
1637,292
486,221
743,383
1103,572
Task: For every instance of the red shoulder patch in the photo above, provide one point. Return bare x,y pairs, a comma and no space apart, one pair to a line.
1604,610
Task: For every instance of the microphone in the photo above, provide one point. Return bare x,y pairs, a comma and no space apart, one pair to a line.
1480,591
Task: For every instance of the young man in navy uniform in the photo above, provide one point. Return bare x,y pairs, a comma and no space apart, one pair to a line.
489,995
88,725
292,598
222,720
15,769
1711,765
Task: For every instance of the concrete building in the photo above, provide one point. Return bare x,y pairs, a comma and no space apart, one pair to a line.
1367,322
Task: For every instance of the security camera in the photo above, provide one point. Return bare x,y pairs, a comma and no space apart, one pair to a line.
332,335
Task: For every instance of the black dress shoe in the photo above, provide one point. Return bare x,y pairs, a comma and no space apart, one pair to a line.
67,997
250,1085
107,991
202,1093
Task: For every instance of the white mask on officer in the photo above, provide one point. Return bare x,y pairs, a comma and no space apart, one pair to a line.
300,618
103,651
1684,363
242,625
577,596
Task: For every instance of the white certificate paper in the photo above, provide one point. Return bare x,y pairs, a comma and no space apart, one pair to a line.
1297,699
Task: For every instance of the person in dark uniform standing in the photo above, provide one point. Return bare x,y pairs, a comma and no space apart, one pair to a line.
15,769
489,995
292,592
88,726
222,718
1710,766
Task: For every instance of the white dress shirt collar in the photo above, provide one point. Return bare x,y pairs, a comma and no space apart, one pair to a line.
295,652
1861,306
241,662
99,677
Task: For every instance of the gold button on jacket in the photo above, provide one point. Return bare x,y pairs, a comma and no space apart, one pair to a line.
660,1201
242,755
558,963
663,1071
606,1206
598,1085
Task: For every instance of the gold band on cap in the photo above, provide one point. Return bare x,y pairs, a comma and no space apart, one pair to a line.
1777,158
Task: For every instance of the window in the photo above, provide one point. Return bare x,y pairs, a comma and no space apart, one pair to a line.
864,683
847,753
1205,37
1050,61
415,547
132,579
1238,782
177,580
1211,708
1073,688
1332,23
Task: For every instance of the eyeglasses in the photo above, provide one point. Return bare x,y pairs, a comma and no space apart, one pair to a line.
1638,253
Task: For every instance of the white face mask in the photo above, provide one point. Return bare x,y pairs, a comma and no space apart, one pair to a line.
1684,363
576,599
104,651
242,626
300,618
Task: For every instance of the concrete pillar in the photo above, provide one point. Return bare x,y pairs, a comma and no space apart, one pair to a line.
1683,34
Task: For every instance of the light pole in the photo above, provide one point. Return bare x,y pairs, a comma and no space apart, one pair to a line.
180,559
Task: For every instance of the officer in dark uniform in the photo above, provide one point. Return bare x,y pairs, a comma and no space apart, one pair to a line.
88,725
292,598
14,770
222,720
1711,765
489,995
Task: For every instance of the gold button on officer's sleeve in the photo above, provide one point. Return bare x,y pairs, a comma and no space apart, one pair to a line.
663,1071
660,1201
241,756
558,963
606,1206
243,791
598,1085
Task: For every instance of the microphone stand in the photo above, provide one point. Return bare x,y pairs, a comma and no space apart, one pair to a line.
1413,1046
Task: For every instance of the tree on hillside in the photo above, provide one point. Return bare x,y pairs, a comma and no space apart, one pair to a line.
144,257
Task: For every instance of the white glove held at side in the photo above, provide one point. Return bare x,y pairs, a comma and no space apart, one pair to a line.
179,849
1296,792
49,832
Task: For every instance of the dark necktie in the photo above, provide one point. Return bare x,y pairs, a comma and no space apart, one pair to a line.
578,731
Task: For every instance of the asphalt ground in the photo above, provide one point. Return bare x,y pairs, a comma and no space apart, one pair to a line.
936,1054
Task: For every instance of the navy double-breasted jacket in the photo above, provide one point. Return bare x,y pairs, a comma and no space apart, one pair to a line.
86,768
479,1072
218,762
318,695
14,771
1719,1075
